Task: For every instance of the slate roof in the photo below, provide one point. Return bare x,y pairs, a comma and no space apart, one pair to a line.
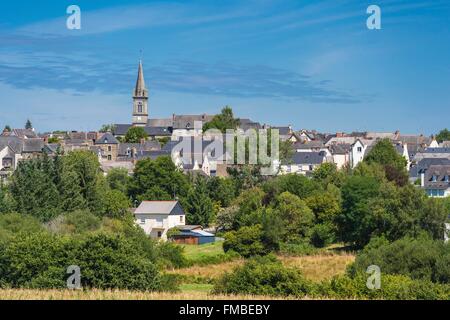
342,148
107,138
283,131
157,207
160,122
152,154
308,157
442,172
15,143
33,145
423,165
246,124
148,145
437,150
187,121
121,129
309,145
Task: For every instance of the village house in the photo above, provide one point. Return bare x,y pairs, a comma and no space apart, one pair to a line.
303,163
436,181
157,217
108,146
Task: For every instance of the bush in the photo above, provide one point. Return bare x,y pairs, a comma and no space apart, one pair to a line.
323,235
106,261
247,241
171,255
393,287
13,223
422,258
263,276
297,249
75,222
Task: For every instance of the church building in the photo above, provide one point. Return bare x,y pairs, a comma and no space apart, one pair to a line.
176,126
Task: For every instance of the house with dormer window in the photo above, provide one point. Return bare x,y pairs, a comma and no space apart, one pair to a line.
436,181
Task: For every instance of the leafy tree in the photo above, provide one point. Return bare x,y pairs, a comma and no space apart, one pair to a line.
198,205
6,201
247,241
226,217
7,128
250,205
85,165
118,179
160,175
14,223
443,135
33,189
71,194
297,217
28,125
107,128
221,190
135,135
328,173
352,222
115,204
223,121
394,164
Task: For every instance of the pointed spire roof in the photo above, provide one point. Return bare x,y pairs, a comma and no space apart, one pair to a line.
140,89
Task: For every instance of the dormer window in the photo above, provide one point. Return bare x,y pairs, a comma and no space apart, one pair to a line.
434,178
447,178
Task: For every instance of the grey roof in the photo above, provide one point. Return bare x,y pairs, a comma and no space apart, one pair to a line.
308,157
423,165
187,121
13,142
246,124
24,133
107,138
414,139
159,207
158,131
309,145
148,145
121,129
283,131
342,148
152,154
437,150
441,172
160,122
33,145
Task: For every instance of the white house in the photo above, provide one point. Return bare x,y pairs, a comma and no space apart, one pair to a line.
303,163
357,153
157,217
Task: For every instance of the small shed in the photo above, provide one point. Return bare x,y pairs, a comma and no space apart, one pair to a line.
193,235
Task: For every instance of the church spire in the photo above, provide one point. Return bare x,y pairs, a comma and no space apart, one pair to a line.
140,90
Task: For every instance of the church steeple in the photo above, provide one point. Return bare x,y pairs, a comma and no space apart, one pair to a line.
140,89
140,99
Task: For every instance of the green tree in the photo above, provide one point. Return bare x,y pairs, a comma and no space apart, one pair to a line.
90,180
443,135
247,241
28,125
161,175
223,121
394,164
7,128
297,217
198,205
221,190
107,128
135,135
115,204
118,179
34,190
71,194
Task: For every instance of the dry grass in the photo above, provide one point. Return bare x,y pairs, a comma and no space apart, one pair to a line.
16,294
315,267
320,267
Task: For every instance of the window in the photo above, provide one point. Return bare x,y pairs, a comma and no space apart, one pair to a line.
109,148
109,158
142,221
359,149
140,107
159,234
447,178
434,178
181,219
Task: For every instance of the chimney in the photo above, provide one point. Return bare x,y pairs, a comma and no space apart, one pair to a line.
422,179
339,134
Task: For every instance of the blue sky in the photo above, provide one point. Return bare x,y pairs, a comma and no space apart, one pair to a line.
312,64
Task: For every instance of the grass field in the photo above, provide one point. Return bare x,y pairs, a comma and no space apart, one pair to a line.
198,278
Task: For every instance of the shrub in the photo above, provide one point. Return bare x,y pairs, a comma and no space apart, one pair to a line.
323,235
106,261
75,222
13,223
393,287
263,276
422,258
247,241
171,255
297,249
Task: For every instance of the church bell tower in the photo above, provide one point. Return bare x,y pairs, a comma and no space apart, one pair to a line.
140,100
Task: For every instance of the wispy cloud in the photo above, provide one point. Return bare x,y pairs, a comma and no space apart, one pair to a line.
86,73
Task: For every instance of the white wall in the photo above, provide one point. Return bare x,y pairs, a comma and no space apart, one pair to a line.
159,222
